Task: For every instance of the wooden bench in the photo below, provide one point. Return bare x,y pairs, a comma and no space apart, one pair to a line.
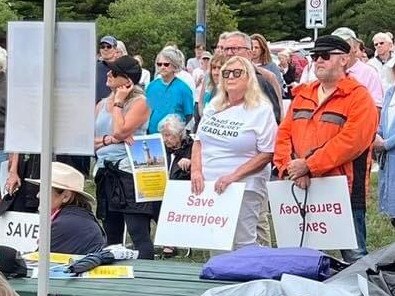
151,278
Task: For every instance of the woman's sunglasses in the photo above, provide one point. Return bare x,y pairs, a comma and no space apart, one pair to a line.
163,64
236,73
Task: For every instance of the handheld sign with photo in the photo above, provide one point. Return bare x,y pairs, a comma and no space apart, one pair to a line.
147,156
19,231
329,223
205,221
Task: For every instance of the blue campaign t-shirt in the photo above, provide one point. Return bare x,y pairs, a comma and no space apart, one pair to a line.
163,99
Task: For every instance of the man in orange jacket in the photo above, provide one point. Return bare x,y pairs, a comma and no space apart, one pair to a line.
329,130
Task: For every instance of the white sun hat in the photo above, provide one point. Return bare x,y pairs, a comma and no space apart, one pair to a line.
67,178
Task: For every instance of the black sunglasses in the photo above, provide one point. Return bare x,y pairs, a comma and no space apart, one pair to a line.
163,64
236,73
105,46
377,43
325,55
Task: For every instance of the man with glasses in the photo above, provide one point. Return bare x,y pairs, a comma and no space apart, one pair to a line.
108,53
328,131
239,44
384,58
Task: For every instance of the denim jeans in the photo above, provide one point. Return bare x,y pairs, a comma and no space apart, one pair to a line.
3,156
360,231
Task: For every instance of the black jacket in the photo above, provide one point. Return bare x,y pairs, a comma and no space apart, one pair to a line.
185,151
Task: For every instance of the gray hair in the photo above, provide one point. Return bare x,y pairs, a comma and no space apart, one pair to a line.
121,46
3,60
239,34
382,36
173,124
223,35
173,56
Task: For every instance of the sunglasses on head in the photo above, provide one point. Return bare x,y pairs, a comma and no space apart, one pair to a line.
236,73
377,43
105,46
325,55
163,64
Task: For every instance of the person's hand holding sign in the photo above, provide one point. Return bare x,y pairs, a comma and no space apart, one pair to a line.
223,182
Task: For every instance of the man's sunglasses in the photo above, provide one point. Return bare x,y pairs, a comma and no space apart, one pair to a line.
377,43
105,46
163,64
236,73
325,55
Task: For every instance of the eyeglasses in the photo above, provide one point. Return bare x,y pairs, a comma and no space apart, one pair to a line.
379,43
235,49
325,55
105,46
236,73
163,64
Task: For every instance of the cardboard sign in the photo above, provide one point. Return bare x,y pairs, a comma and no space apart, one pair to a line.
147,156
207,221
329,223
19,231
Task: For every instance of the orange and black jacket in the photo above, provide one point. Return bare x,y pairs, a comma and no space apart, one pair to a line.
335,138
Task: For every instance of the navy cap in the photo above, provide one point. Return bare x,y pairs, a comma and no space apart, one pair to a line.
110,40
128,66
331,42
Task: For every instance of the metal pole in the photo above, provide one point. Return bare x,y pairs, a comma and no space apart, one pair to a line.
46,146
315,34
201,22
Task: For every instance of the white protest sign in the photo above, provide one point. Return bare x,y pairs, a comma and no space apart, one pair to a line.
207,221
329,222
74,88
19,231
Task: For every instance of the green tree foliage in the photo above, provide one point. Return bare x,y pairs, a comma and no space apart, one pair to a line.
6,15
66,10
146,26
285,19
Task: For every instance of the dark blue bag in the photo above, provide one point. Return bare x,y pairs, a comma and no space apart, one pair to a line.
255,262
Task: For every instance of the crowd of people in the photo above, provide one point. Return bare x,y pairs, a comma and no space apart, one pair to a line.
342,114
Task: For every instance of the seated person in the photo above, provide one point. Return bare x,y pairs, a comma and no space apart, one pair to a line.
74,228
178,145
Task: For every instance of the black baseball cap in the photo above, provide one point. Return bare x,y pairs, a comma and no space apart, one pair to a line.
331,42
128,66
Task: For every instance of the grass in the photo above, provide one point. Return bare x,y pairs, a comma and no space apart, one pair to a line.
380,232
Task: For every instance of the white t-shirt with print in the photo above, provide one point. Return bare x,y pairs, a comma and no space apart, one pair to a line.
232,137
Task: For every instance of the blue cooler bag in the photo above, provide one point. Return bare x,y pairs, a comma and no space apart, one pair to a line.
255,262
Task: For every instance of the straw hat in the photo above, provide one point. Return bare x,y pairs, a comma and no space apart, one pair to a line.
67,178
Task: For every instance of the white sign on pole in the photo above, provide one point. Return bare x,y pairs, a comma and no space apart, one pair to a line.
315,14
20,231
207,221
329,223
74,98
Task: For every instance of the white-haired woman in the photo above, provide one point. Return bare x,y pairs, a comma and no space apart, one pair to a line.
245,138
168,94
179,149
